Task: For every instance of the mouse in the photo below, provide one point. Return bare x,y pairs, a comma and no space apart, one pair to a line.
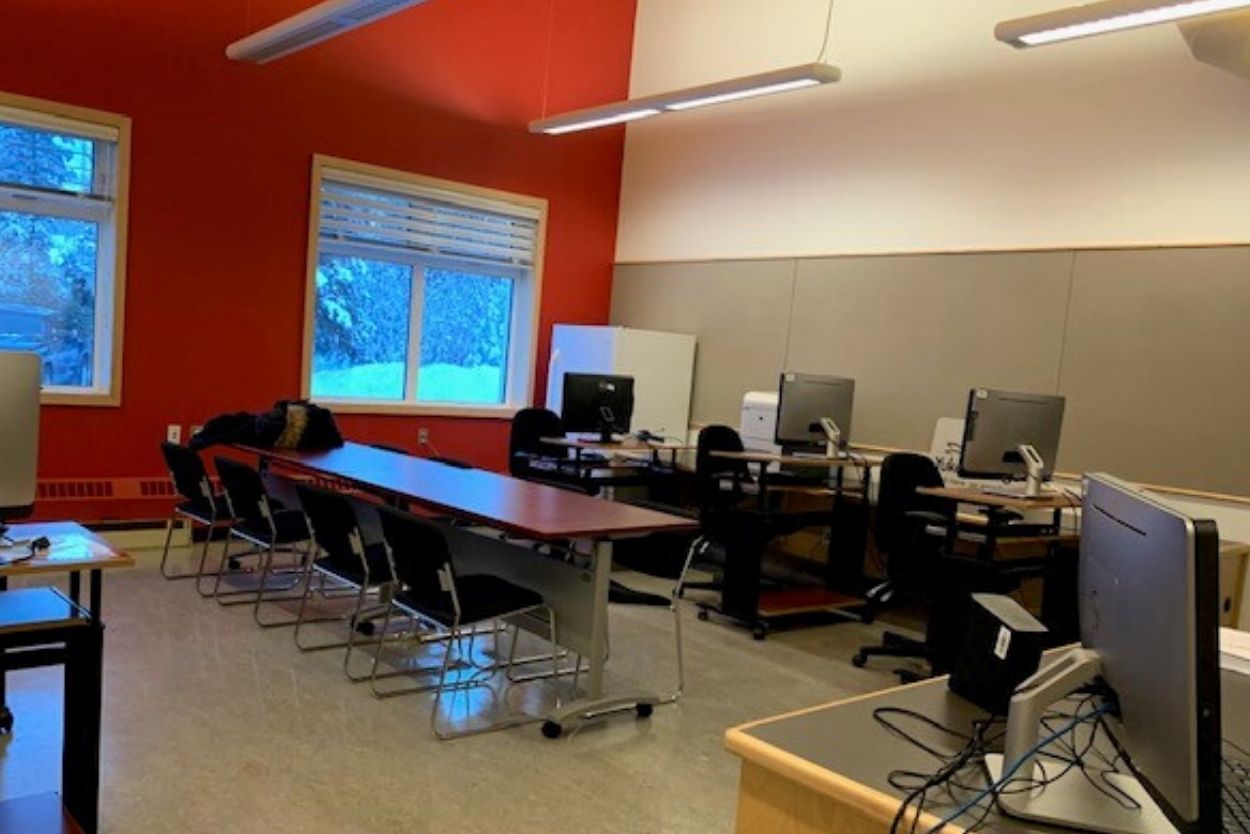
40,543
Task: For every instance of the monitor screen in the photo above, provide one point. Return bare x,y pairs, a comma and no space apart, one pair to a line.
997,422
1149,596
804,399
20,382
597,403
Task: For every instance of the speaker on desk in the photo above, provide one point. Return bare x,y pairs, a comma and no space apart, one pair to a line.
1001,647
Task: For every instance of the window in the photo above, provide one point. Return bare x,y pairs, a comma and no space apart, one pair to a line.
62,220
422,293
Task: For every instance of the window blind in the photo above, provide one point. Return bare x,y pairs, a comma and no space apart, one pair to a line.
408,219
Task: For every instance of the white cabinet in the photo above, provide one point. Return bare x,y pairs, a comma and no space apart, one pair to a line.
662,365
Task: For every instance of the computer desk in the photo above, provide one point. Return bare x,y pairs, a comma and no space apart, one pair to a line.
521,510
825,768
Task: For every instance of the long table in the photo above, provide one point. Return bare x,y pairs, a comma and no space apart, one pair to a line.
522,510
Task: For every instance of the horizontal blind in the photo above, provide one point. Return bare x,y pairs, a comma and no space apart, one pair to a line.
58,124
404,218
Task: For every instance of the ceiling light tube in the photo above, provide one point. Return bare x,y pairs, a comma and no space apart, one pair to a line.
720,92
1103,17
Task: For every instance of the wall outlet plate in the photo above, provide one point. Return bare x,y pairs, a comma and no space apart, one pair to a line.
423,436
173,433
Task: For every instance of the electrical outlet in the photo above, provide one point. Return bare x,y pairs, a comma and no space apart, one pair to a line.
173,433
423,437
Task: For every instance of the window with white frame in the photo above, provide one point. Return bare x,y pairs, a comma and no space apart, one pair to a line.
422,292
62,212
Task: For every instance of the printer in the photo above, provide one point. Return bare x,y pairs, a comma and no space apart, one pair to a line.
759,421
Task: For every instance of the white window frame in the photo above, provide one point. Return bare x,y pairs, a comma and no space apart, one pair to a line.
110,290
526,294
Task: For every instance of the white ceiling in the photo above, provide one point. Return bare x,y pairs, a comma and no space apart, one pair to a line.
885,48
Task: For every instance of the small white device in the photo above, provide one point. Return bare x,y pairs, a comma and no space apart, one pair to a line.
1034,468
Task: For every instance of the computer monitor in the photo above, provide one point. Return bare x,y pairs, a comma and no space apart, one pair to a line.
20,380
1149,597
804,399
998,423
597,403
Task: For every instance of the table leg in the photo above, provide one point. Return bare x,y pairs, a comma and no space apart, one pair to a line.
80,753
6,716
97,588
75,587
594,704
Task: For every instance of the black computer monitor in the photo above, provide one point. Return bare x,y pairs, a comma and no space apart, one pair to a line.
20,382
803,399
1149,597
599,403
997,423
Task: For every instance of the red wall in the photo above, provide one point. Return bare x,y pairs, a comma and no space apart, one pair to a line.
220,181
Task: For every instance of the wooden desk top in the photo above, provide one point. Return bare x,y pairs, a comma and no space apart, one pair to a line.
971,495
74,548
858,461
517,507
629,444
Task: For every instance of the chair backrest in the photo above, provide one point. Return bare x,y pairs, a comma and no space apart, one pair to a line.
709,470
334,526
421,557
186,470
529,427
244,489
901,475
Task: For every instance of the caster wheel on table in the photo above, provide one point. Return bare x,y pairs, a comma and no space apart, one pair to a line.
366,627
859,661
552,730
868,616
703,615
233,564
6,721
644,710
759,632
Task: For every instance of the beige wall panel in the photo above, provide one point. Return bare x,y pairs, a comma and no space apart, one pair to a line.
1157,367
739,312
916,332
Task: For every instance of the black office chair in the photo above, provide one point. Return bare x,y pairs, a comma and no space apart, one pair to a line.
719,488
200,505
525,446
913,533
344,558
268,526
434,594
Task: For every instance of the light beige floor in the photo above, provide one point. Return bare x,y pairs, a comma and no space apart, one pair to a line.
211,725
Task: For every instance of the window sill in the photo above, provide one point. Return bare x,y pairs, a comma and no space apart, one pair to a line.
495,412
92,400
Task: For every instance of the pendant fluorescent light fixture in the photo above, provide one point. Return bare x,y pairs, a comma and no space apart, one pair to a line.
312,26
720,92
1103,17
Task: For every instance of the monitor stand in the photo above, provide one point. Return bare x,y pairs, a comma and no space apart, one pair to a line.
1071,801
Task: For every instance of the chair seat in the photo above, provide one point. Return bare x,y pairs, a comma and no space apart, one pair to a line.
352,572
290,526
202,510
482,597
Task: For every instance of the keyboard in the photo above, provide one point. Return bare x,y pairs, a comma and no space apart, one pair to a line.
1236,779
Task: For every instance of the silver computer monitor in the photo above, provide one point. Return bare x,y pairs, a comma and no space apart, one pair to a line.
1149,609
20,380
803,399
997,423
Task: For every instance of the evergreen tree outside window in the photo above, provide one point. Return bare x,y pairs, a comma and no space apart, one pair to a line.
62,205
422,292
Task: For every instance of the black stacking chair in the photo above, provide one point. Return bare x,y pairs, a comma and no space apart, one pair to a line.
200,505
434,594
345,559
265,524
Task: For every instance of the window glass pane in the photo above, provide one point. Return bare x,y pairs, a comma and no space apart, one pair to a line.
360,341
47,293
41,159
465,324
